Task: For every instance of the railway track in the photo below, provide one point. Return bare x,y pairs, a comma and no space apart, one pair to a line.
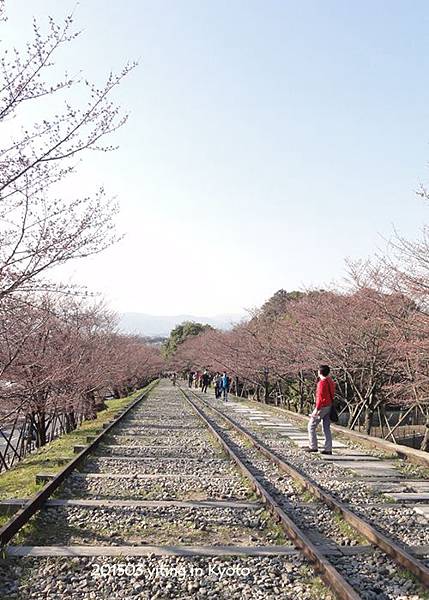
153,508
163,505
367,514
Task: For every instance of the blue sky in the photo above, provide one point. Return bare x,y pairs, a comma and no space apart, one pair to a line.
267,142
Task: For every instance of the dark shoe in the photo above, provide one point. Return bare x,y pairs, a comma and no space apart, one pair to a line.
326,452
311,450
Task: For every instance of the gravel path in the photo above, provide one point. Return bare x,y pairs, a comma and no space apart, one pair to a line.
166,525
213,467
378,577
267,578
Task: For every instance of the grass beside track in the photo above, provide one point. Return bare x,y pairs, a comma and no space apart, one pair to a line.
20,481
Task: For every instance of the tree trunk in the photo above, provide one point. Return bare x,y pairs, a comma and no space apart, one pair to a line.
301,393
425,442
40,423
89,407
70,421
266,393
266,387
352,414
368,420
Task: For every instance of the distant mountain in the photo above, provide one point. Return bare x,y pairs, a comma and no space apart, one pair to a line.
151,325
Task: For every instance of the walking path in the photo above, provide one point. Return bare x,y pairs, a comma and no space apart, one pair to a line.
382,474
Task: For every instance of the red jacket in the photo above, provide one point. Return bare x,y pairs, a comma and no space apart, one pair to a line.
325,393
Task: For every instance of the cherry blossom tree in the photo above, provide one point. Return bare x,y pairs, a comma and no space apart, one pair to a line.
60,357
44,130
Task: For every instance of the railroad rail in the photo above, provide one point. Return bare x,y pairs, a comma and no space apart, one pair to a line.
400,555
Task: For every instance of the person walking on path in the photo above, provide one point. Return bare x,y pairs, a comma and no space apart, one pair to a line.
205,381
325,393
216,382
224,384
190,378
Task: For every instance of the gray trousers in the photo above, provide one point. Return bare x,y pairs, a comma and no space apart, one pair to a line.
316,417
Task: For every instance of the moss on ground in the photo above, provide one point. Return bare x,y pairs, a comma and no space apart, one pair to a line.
415,471
274,529
318,589
408,576
20,481
305,495
347,530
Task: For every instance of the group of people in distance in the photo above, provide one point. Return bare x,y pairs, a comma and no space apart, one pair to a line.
203,380
323,412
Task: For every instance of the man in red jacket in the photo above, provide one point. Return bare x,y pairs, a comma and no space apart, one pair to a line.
325,393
